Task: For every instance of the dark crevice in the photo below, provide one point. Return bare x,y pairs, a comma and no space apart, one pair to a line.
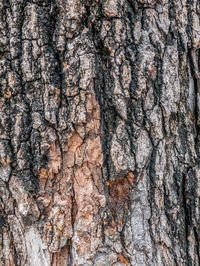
70,255
196,111
187,215
197,240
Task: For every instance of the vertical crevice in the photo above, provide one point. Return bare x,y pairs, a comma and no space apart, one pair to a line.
197,240
187,219
70,255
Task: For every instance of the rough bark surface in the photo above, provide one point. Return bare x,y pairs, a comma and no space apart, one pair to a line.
99,140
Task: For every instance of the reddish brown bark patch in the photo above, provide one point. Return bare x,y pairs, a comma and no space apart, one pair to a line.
122,259
119,191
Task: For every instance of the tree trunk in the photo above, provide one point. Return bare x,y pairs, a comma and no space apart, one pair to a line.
99,132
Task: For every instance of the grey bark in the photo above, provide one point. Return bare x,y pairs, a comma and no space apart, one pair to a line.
99,132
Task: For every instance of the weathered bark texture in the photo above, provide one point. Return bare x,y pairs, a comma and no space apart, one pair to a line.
99,132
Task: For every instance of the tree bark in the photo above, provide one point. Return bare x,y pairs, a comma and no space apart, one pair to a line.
99,132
